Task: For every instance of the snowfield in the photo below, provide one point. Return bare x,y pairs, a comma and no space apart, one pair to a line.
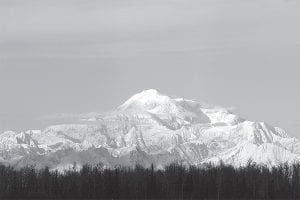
151,128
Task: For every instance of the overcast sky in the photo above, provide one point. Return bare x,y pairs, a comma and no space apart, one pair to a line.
71,56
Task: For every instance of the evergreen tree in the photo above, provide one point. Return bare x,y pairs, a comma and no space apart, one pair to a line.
174,182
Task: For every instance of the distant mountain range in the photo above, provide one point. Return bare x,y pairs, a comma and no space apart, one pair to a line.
151,128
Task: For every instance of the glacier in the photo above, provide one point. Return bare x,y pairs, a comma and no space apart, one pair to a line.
151,128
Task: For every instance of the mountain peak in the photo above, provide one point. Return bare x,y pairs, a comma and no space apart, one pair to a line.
168,110
150,92
147,99
145,95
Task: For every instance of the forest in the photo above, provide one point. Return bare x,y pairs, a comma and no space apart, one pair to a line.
173,182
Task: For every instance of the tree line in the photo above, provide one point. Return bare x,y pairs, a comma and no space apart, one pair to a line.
173,182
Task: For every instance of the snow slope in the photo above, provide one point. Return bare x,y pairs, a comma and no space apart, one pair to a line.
151,128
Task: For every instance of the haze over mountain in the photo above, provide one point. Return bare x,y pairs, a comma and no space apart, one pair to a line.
151,127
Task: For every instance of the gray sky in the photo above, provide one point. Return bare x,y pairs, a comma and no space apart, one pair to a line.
60,56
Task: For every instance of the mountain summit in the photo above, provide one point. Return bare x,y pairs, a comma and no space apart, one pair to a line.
164,107
149,100
146,98
151,128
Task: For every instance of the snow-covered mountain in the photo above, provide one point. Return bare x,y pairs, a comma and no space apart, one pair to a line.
151,128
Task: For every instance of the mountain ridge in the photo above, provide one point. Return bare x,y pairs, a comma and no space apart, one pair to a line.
151,128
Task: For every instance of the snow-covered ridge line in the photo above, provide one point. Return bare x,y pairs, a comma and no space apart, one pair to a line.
151,128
